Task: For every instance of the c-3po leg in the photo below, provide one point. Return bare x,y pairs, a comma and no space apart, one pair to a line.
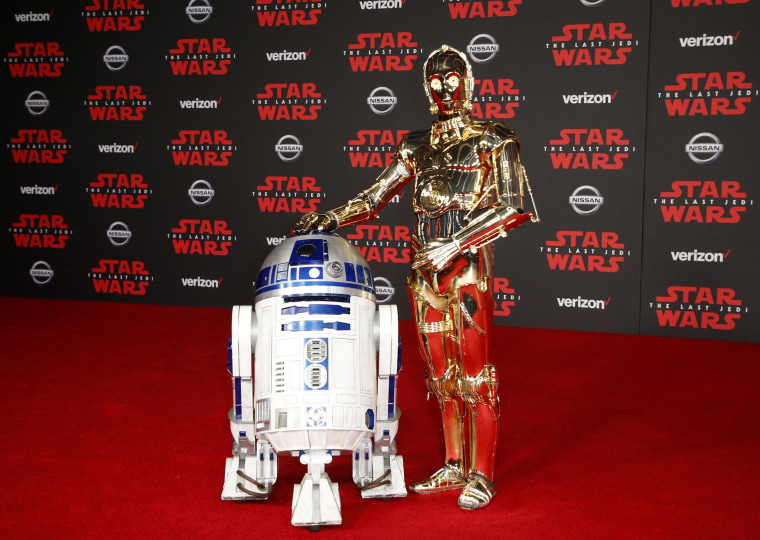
477,387
435,333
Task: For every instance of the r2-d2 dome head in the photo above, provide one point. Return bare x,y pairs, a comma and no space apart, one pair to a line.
312,266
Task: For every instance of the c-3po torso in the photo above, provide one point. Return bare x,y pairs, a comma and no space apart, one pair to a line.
455,177
461,168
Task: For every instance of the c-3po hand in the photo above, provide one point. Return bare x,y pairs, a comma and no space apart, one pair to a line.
436,255
314,221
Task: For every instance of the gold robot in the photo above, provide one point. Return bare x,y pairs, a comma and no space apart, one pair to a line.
469,187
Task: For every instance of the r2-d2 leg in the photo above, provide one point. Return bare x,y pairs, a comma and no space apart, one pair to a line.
378,471
252,471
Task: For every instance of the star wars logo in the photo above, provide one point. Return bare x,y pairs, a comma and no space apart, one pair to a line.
291,194
495,99
115,15
708,94
287,12
382,243
698,307
201,147
119,103
289,101
39,146
708,201
201,237
119,190
697,3
596,44
383,51
200,56
584,148
373,147
36,59
114,276
504,297
478,9
586,251
40,231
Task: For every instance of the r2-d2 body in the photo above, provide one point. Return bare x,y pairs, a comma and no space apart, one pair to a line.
314,367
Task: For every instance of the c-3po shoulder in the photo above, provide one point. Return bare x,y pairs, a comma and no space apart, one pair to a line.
410,143
497,134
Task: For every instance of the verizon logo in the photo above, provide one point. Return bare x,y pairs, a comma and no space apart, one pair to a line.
201,282
588,99
33,17
200,103
583,303
274,240
381,4
709,41
38,190
117,148
288,56
699,256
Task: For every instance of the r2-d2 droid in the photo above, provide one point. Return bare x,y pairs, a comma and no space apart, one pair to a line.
323,380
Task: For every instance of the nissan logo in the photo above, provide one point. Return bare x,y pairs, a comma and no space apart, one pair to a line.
482,48
384,290
382,100
201,192
41,273
116,58
37,103
704,148
586,200
199,14
288,148
119,234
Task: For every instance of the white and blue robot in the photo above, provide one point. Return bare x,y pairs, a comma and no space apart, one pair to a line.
314,365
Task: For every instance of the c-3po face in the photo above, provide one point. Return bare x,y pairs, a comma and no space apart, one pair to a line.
446,90
448,81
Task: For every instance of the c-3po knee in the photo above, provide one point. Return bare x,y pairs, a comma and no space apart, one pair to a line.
444,388
480,389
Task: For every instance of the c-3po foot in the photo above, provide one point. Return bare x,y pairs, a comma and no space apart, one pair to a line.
477,494
447,478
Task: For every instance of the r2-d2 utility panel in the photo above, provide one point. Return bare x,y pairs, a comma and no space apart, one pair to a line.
314,366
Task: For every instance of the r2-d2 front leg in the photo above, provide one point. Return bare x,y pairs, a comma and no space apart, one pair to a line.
377,470
252,471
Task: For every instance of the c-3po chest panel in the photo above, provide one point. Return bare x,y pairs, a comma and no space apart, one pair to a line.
451,179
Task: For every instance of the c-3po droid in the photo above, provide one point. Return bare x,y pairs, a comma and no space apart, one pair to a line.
314,366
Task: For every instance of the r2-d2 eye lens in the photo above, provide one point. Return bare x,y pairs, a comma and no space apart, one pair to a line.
334,269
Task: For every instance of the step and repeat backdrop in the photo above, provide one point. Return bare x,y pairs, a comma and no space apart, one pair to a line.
156,151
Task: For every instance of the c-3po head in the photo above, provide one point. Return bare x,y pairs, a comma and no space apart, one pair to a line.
448,82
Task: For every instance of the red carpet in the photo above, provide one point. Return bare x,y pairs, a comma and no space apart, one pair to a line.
114,421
